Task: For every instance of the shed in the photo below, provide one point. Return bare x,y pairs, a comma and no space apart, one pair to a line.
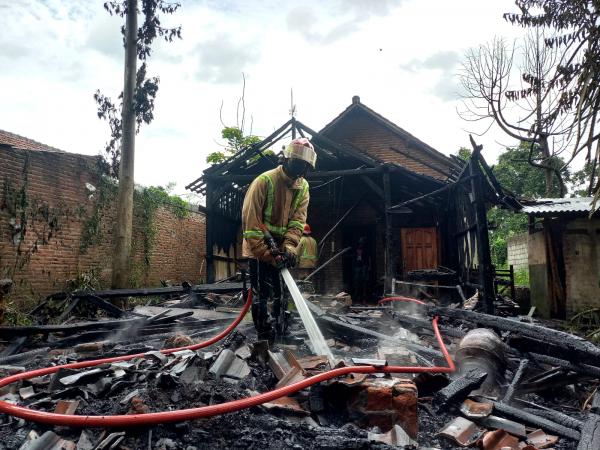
564,255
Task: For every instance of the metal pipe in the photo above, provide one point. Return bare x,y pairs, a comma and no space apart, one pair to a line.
326,263
324,238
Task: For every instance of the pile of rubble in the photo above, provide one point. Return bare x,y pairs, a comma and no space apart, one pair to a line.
518,386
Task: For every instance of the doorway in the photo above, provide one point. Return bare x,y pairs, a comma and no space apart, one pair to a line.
350,238
419,248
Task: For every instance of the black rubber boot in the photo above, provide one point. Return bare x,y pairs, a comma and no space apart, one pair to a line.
260,317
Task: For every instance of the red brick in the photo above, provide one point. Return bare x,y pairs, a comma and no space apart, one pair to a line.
384,403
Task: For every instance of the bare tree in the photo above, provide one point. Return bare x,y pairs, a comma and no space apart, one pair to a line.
523,109
236,137
576,78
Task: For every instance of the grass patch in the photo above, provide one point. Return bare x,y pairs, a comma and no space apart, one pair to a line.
17,313
522,277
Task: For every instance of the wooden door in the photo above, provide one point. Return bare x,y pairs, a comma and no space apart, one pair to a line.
419,248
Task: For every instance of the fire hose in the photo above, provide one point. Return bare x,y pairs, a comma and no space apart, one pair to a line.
400,299
155,418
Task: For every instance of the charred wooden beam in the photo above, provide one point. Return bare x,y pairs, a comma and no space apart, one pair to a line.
425,325
558,417
459,389
25,356
574,348
533,420
318,137
144,292
8,332
373,186
210,231
590,433
583,369
338,223
518,377
557,349
111,309
326,263
14,346
484,265
388,260
127,334
320,175
87,326
230,162
422,197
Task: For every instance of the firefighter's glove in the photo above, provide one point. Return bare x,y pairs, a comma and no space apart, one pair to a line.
280,262
290,259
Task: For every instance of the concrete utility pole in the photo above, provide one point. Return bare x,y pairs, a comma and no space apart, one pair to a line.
124,224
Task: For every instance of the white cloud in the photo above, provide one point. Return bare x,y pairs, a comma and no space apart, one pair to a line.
221,60
105,37
55,54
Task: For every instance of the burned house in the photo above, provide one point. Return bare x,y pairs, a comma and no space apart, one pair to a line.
168,375
420,213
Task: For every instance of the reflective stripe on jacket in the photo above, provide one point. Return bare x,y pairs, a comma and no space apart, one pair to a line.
307,253
280,203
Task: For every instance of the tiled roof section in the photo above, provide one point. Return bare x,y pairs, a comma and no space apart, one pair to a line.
559,206
23,143
356,104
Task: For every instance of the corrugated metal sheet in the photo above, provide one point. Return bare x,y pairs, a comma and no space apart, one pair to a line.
559,206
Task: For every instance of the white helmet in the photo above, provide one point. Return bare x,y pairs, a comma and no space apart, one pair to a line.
301,148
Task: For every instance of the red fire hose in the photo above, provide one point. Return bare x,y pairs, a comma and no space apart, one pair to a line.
204,411
400,299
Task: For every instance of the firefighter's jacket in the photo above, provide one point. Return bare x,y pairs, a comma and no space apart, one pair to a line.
307,253
278,202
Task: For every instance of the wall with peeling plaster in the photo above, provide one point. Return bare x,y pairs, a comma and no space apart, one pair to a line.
581,247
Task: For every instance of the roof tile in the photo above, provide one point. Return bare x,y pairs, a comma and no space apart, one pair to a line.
23,143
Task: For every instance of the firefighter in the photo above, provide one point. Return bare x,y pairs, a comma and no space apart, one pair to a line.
307,253
277,199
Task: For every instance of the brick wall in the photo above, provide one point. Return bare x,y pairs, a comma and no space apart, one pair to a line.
55,196
581,250
517,251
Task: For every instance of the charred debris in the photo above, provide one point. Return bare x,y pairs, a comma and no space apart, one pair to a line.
518,384
462,366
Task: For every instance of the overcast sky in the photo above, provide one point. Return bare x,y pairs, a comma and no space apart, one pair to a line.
400,56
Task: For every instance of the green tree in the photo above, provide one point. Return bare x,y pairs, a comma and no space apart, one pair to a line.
583,180
236,141
521,178
146,87
136,107
464,153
